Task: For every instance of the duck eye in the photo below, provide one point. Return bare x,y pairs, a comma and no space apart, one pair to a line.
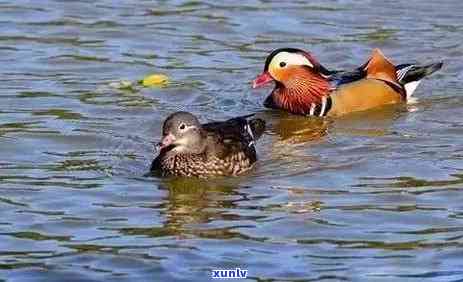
282,64
182,126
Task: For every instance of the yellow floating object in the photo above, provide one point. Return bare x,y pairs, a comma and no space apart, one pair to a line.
155,80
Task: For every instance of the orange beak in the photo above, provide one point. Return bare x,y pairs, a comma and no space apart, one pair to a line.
262,79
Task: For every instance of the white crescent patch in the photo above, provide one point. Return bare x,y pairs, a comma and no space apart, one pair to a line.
290,59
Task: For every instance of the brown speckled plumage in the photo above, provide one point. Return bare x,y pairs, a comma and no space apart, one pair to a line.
226,149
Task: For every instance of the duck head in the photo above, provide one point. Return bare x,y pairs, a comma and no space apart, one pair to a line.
300,80
182,133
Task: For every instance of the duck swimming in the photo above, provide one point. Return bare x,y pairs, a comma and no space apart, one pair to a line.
303,86
224,148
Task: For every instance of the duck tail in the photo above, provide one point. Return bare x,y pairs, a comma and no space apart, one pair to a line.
410,75
408,72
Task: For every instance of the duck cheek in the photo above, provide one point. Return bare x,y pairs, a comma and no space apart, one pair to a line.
283,75
291,73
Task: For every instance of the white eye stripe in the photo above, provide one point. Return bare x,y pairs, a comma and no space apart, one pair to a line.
290,59
186,127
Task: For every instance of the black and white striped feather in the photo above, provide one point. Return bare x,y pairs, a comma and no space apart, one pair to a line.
408,75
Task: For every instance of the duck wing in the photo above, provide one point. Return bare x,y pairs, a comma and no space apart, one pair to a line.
339,77
408,75
234,136
379,87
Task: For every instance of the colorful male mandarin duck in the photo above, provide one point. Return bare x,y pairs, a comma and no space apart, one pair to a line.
189,148
303,86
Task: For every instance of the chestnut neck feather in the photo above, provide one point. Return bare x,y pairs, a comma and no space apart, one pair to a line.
300,90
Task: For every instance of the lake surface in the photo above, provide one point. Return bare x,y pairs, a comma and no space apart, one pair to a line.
375,196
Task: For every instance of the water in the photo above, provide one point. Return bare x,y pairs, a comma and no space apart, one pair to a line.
371,197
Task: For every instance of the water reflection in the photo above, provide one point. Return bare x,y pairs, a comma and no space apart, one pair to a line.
194,206
373,123
293,129
193,202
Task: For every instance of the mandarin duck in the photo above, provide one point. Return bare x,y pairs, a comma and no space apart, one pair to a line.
303,86
224,148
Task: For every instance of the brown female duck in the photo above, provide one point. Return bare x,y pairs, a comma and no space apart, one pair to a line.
189,148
